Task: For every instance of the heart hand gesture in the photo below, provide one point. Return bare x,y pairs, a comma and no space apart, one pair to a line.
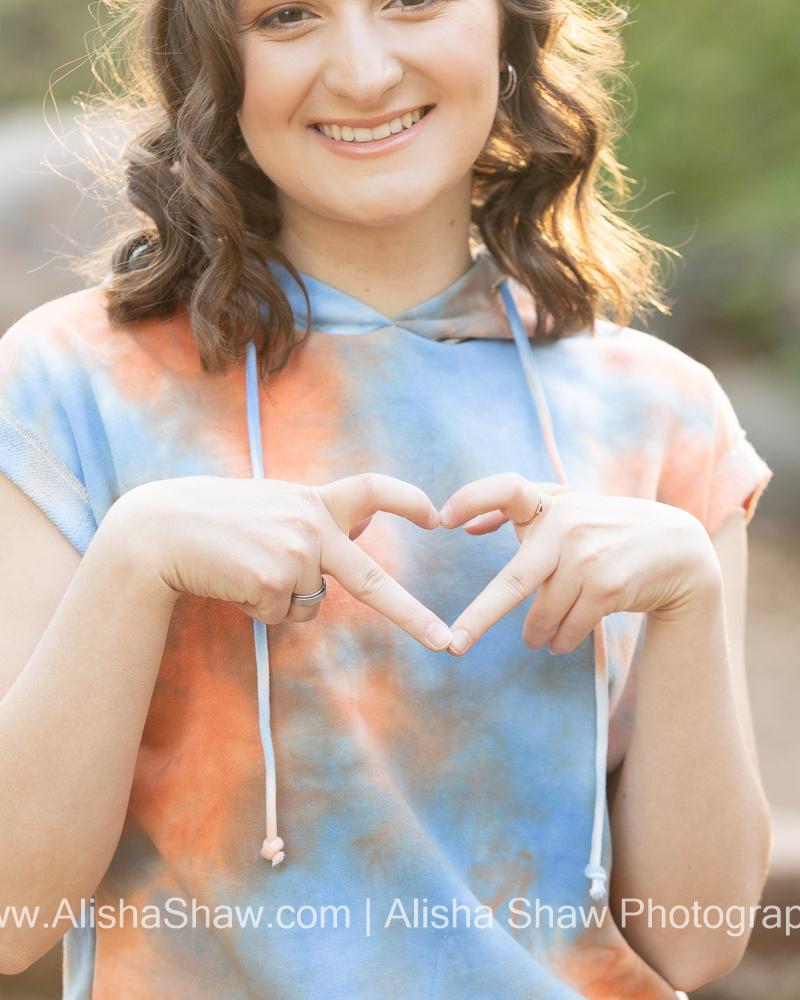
257,542
585,555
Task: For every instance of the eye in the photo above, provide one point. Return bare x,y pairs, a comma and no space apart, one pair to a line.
414,4
285,17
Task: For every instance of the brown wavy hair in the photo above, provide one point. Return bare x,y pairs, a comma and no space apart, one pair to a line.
547,187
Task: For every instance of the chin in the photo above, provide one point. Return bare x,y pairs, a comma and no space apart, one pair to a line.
380,217
385,208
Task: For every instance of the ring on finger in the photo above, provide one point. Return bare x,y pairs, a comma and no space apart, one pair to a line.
524,524
309,600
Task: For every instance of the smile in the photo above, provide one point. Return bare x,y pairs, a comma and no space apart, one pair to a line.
350,133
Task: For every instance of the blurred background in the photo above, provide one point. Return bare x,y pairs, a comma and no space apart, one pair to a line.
715,147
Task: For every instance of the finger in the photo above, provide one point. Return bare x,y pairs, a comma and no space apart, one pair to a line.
552,603
359,528
271,614
512,585
372,585
514,497
309,582
582,618
359,497
485,523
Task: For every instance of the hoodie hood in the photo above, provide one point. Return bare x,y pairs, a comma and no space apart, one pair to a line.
469,309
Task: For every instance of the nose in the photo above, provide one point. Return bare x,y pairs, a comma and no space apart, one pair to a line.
362,64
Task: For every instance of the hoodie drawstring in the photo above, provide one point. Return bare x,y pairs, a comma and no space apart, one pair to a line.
594,870
272,848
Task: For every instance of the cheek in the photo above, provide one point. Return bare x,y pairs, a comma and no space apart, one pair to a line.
466,60
270,89
468,75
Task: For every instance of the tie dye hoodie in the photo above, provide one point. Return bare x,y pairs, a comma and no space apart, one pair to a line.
437,811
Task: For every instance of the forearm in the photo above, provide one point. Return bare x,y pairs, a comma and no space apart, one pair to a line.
70,728
689,819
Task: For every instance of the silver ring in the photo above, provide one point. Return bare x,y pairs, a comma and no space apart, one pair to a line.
309,600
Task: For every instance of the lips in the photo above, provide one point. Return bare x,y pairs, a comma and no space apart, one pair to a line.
345,132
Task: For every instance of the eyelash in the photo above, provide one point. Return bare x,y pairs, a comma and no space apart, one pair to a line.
270,22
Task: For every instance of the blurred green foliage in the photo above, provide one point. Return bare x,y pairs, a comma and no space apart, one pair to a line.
715,143
40,41
716,140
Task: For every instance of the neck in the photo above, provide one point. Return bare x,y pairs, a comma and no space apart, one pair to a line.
389,267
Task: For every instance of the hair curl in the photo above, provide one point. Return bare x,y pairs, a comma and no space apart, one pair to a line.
545,187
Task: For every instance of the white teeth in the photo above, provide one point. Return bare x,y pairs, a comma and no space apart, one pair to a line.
348,134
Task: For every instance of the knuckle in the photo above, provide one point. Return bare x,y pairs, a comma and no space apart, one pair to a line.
610,590
266,586
539,625
564,643
369,487
296,547
372,582
580,533
517,486
516,585
319,500
308,518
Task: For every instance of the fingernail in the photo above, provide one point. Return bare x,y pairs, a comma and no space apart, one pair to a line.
461,641
438,635
445,514
433,520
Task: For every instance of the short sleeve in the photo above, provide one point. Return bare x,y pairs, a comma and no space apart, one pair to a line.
40,437
709,466
739,475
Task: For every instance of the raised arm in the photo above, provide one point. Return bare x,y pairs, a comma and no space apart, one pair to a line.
83,641
689,820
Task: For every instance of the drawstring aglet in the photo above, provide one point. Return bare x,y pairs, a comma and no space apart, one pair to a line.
272,850
599,877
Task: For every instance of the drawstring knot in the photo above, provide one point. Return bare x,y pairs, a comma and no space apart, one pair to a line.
594,870
273,847
272,850
599,877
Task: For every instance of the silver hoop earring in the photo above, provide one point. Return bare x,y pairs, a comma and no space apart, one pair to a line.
510,85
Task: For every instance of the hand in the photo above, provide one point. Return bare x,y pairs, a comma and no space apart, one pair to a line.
255,542
585,554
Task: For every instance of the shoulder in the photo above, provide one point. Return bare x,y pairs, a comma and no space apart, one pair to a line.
630,354
75,330
632,371
76,318
707,465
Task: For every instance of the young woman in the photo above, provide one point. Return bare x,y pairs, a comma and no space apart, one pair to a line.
303,373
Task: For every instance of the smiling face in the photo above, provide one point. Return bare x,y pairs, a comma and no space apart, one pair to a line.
368,111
